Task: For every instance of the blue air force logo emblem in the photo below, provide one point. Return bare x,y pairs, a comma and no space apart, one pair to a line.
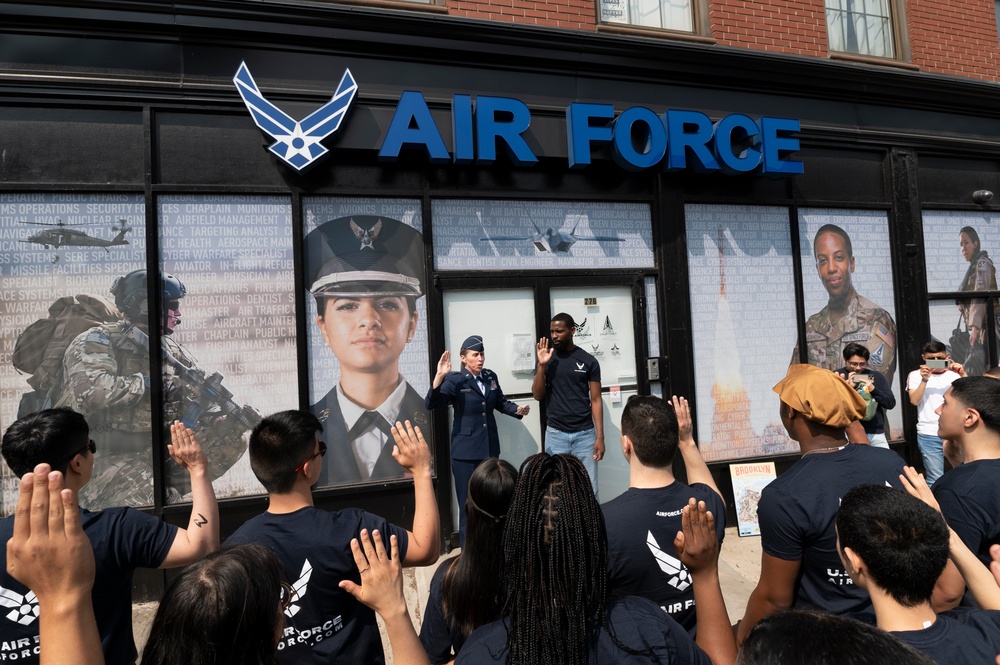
297,142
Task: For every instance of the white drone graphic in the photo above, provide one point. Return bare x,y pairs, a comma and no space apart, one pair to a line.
298,142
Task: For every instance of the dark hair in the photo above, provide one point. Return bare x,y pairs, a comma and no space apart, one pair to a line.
982,394
808,637
278,444
855,349
222,610
471,589
555,569
973,236
933,346
833,228
651,424
52,436
902,540
565,318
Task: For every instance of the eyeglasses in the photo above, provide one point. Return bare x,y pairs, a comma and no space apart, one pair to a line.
288,594
321,453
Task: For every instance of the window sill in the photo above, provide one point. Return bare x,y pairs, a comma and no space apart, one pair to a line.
661,33
871,60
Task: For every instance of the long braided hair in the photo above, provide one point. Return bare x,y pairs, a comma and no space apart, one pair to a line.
555,573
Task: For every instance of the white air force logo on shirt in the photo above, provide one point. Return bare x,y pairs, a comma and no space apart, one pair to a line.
680,579
25,608
299,588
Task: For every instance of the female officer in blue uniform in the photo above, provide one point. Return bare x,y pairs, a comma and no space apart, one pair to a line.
475,393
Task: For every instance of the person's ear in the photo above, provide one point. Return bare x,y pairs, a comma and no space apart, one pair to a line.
77,464
855,564
971,418
626,447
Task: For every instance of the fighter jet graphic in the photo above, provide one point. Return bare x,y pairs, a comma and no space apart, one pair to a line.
680,578
299,588
298,142
552,240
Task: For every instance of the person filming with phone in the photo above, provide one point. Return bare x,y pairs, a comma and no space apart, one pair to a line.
926,387
873,386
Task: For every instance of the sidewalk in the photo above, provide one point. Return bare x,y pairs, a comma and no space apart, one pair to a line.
739,568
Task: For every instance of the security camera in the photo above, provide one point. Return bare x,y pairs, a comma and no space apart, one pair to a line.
982,196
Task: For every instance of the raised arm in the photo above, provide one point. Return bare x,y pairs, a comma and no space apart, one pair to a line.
544,354
697,547
917,392
694,463
202,533
50,554
412,453
436,396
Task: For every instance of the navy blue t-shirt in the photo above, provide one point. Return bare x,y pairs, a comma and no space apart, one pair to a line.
439,637
969,496
324,623
961,636
123,539
797,513
641,525
567,389
881,393
637,622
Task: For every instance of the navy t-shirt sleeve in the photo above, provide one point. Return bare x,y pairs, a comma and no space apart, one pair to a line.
435,635
371,522
595,372
964,517
141,540
780,532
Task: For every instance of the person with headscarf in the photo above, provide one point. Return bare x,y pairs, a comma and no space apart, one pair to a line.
800,566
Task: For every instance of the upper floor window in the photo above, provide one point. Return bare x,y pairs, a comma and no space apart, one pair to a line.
668,14
864,27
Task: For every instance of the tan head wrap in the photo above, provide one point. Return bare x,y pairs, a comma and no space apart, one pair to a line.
821,396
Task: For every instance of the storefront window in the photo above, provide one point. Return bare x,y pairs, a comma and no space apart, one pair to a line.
666,14
862,27
743,326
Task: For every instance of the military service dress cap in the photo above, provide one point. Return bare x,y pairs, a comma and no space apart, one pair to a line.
364,256
473,343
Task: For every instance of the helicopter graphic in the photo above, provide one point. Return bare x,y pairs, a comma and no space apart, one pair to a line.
60,234
551,240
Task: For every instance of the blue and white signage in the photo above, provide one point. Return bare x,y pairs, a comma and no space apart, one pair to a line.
638,138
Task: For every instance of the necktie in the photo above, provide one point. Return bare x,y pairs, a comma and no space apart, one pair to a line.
367,419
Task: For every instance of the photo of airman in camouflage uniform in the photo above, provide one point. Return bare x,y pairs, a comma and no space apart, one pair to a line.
106,378
848,316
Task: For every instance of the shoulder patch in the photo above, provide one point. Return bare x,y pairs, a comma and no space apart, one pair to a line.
98,336
877,358
882,331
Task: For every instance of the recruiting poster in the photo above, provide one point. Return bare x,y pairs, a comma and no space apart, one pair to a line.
849,298
749,480
367,323
743,326
533,235
230,355
960,250
59,256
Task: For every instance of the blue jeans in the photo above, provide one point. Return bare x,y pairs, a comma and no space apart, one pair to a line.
578,444
878,440
930,450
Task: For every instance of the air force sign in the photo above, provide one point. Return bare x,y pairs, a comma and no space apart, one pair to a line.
297,142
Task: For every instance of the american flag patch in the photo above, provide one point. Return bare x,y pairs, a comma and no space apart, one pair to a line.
882,331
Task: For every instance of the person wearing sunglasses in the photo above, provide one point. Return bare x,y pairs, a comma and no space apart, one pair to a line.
123,539
323,623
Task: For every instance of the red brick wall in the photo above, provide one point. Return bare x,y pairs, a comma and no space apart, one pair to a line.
960,40
785,26
572,14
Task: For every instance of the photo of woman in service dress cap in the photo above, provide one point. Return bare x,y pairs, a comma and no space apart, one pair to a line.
366,273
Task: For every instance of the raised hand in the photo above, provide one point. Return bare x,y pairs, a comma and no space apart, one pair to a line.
444,364
184,447
543,351
411,450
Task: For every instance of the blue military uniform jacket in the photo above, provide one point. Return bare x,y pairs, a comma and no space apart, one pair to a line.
474,430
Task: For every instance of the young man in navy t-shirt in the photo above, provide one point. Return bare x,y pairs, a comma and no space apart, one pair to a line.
123,538
324,623
800,566
568,379
642,522
895,547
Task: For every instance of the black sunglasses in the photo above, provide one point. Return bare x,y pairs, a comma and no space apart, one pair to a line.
321,453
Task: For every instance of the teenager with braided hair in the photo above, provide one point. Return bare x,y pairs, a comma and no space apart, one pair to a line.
465,590
554,584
